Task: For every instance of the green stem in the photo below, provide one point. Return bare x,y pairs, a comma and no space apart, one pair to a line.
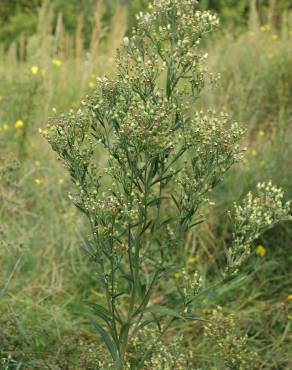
135,268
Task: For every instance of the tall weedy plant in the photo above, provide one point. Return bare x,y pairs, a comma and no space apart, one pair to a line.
162,162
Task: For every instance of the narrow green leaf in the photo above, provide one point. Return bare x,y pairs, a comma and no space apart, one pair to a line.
119,294
156,201
19,365
196,223
101,311
80,207
175,201
145,323
146,227
149,291
124,329
21,329
165,222
165,178
110,345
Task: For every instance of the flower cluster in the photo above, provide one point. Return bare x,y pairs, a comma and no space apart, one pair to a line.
167,356
256,215
110,214
68,136
213,146
138,125
189,285
230,347
174,30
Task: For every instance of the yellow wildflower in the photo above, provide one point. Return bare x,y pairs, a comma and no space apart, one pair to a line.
38,182
261,133
270,56
56,62
5,126
254,152
177,275
261,250
265,28
192,260
19,124
37,163
34,70
91,85
275,37
289,297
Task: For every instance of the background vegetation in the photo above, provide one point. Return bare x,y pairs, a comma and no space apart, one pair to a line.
19,18
50,57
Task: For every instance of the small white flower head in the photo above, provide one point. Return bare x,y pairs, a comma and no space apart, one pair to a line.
126,41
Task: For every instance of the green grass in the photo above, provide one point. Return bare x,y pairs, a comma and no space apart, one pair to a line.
45,275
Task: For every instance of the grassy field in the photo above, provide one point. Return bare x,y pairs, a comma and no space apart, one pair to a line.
45,275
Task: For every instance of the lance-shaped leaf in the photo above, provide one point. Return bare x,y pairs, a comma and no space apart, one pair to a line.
110,346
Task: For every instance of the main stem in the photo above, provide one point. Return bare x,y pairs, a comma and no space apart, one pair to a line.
134,263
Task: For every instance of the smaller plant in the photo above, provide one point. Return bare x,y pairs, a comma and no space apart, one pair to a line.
258,213
231,348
